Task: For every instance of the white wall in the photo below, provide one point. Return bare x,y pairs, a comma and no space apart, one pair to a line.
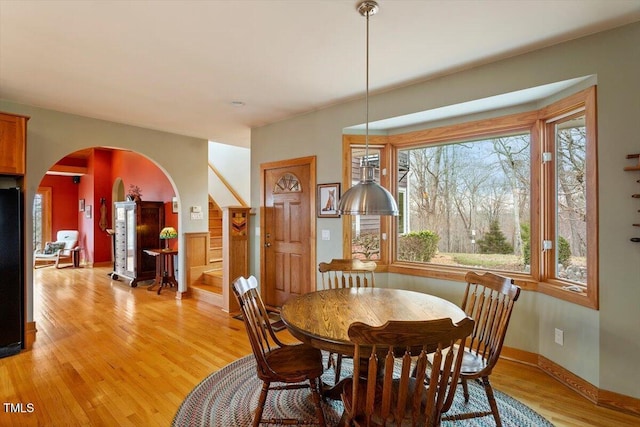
600,346
233,163
51,135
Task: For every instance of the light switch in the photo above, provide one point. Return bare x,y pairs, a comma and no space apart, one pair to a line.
197,215
326,235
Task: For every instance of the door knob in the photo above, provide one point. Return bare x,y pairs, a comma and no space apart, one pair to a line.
266,245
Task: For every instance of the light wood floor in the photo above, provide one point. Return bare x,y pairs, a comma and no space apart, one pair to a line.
110,355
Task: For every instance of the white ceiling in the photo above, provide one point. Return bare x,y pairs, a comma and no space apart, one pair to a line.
178,66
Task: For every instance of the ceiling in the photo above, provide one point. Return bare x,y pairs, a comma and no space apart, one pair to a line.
181,66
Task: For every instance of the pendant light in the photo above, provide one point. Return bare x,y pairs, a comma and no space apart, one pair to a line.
367,197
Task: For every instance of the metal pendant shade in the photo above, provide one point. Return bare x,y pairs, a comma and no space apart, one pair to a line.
367,197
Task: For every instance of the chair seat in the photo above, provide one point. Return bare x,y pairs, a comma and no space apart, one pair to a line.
41,255
295,363
472,363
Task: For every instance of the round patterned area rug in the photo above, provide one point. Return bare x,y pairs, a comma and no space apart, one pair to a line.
227,398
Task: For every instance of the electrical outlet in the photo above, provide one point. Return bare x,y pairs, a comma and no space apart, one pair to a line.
559,337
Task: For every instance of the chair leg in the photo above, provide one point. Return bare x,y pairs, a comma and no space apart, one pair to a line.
261,401
330,361
343,420
315,395
465,389
492,401
338,368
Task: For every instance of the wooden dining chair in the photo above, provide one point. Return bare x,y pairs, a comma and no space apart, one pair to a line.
290,366
345,273
489,300
393,390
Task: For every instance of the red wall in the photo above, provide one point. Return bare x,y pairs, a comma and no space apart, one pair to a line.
64,203
104,167
101,165
154,185
135,169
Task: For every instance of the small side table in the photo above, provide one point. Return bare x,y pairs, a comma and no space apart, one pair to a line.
75,256
164,268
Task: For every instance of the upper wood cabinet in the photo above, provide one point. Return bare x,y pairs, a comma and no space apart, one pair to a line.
13,137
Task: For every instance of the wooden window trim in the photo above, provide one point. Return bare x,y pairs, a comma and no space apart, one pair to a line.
380,142
584,101
539,278
46,194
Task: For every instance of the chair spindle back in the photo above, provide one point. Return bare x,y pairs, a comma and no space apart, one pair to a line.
261,335
347,273
489,300
391,394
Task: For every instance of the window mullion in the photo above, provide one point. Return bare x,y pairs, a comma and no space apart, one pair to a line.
548,207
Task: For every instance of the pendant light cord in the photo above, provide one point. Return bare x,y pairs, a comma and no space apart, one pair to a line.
367,197
366,132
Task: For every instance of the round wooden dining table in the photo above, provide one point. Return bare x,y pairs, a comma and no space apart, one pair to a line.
322,318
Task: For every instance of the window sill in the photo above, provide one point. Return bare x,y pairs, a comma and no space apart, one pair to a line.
525,281
558,291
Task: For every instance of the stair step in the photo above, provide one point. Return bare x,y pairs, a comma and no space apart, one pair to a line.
213,278
207,293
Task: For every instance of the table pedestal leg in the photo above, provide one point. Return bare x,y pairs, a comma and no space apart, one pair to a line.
164,271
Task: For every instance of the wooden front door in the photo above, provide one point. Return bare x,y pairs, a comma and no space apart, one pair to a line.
287,230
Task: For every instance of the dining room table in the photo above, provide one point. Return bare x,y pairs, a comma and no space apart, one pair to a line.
322,318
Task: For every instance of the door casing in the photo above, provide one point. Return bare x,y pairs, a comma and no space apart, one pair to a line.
309,191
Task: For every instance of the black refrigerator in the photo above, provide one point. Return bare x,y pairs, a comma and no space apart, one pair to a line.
11,272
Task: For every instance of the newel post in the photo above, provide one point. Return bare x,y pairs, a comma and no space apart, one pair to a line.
235,248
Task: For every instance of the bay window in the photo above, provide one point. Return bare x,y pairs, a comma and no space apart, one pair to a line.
514,194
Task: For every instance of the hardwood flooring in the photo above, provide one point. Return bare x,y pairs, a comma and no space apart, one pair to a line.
107,354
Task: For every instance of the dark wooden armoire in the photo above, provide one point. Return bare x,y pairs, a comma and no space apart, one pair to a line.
137,227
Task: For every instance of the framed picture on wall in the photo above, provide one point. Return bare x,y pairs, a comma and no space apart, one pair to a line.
87,212
174,204
327,199
81,205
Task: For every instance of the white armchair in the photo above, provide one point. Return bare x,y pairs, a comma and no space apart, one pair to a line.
61,250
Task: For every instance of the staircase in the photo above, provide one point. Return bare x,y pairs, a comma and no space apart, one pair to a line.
215,237
215,243
217,257
209,289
